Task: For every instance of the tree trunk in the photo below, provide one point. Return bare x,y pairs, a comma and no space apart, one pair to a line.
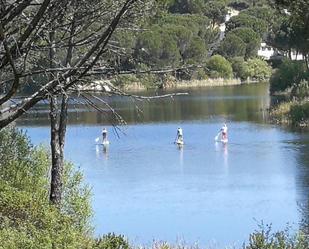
58,131
306,57
58,128
57,156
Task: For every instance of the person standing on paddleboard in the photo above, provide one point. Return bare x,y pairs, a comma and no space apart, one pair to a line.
224,132
179,137
104,135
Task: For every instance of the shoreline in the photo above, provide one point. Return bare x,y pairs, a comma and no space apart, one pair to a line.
291,114
104,85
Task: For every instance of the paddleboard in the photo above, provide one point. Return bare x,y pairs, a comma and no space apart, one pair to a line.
217,139
224,141
179,142
104,143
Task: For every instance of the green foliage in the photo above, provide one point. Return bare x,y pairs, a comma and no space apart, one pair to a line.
126,79
238,5
174,39
263,13
219,67
265,239
27,219
299,113
111,241
232,46
250,38
239,67
288,74
157,48
281,36
199,74
126,40
198,25
146,80
295,29
258,69
244,4
215,11
195,51
255,69
246,21
186,6
301,90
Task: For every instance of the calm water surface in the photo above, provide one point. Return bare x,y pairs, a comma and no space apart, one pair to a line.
146,188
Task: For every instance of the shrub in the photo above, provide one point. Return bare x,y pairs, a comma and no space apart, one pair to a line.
288,74
299,113
219,67
125,79
27,219
253,68
266,239
301,90
239,67
111,241
199,74
258,69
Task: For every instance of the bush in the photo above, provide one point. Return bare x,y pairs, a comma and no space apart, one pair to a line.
239,67
258,69
219,67
299,113
125,79
300,90
27,219
111,241
266,239
288,74
294,113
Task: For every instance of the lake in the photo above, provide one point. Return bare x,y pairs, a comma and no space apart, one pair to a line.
147,188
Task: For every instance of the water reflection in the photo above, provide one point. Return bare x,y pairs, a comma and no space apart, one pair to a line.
222,150
180,148
303,182
101,151
241,103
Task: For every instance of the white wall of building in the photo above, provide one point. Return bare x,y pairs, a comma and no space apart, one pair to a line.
267,52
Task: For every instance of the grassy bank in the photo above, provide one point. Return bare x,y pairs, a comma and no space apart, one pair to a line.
202,83
292,113
169,84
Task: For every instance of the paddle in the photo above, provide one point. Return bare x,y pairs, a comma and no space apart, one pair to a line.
217,137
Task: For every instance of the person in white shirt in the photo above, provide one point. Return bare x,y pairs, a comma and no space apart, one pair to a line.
104,135
224,132
179,135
